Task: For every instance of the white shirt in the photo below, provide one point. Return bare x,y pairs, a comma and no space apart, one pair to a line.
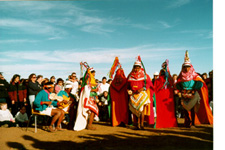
5,115
21,117
103,87
74,88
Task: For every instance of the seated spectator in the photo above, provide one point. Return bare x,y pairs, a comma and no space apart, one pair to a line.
59,85
45,106
6,118
21,117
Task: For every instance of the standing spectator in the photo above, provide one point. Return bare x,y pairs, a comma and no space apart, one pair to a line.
21,117
39,80
6,117
74,84
109,81
59,85
204,76
103,87
33,88
4,85
209,83
17,93
52,79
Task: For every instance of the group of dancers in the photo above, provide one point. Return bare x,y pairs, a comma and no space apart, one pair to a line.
130,99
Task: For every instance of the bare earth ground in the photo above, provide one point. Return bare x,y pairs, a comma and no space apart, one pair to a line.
107,137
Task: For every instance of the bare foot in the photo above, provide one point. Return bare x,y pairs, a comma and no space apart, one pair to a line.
50,129
59,129
91,128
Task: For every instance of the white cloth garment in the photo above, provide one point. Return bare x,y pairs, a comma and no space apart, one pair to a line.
5,115
102,88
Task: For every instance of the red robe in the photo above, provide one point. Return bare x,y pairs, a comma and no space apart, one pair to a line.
119,98
149,112
204,114
164,105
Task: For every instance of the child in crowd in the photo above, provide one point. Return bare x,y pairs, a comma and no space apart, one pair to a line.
21,117
6,118
103,107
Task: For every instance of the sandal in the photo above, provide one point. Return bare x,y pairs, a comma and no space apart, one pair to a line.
50,129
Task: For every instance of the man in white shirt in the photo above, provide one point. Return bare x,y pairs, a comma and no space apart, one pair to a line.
74,84
103,86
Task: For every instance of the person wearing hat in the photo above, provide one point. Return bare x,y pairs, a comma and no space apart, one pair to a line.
165,108
139,84
71,106
155,76
194,95
48,107
87,107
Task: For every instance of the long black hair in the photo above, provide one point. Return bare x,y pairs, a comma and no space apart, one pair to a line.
14,77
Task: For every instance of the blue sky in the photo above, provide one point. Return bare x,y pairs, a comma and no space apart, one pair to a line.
52,37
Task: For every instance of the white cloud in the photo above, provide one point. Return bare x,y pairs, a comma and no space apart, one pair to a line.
94,55
164,24
18,41
30,26
178,3
207,34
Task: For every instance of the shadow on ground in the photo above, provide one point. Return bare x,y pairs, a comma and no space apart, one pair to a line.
182,139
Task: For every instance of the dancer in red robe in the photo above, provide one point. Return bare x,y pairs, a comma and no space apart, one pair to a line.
118,95
139,84
194,95
164,99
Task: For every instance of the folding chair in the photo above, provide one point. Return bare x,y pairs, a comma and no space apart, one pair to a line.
35,113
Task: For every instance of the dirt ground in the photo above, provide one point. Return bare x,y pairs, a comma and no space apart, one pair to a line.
109,138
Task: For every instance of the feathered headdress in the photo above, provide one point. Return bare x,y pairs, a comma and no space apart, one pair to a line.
116,64
88,78
83,65
165,68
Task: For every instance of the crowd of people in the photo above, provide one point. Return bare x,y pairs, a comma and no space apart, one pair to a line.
132,100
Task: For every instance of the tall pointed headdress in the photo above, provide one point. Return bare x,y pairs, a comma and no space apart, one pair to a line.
187,61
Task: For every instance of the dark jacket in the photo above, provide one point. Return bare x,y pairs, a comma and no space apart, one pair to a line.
17,91
4,85
33,88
